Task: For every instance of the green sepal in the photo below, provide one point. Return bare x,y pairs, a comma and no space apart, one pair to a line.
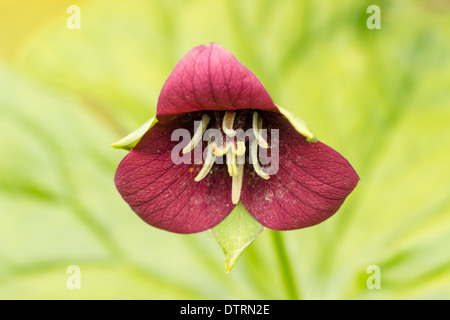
235,233
299,124
131,140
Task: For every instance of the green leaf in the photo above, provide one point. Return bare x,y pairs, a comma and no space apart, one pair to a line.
235,234
131,140
299,124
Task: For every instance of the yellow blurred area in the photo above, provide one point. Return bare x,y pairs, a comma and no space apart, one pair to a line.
23,21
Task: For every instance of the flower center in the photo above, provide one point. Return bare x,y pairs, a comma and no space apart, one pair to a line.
233,130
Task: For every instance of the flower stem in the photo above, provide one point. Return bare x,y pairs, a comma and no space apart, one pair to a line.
287,275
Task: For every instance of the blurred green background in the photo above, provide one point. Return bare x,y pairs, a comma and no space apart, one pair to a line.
379,97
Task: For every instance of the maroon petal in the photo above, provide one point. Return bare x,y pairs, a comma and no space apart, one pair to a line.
164,194
311,184
209,77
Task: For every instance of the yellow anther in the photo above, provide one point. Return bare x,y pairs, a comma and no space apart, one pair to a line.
209,162
254,159
197,135
257,126
236,184
231,163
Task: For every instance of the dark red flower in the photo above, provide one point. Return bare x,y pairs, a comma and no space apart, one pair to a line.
305,182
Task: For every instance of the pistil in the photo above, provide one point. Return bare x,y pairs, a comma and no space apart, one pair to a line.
220,151
239,148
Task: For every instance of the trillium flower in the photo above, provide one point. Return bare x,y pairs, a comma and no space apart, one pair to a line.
305,183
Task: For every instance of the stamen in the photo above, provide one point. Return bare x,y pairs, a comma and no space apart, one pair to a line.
197,135
257,126
227,123
234,150
236,185
254,159
231,163
209,162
